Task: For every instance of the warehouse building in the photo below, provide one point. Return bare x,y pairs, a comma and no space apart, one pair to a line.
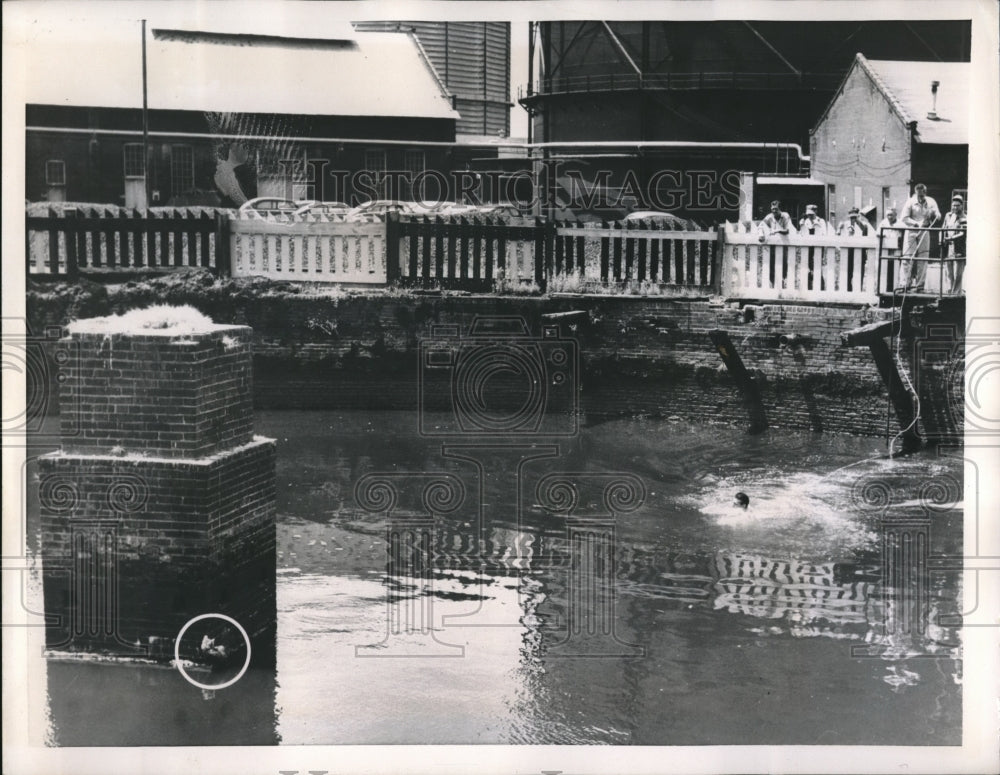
232,115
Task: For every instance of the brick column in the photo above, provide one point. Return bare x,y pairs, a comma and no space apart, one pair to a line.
160,504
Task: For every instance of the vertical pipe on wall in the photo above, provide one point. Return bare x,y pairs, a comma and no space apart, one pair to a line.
506,77
531,76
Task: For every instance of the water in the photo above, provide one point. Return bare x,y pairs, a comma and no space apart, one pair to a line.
691,622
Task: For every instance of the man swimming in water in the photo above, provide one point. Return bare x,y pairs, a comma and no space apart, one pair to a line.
741,500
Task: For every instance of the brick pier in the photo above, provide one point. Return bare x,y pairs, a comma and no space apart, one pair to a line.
160,504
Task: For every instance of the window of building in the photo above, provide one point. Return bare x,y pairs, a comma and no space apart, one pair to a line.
55,172
303,183
181,169
831,201
135,163
414,164
375,164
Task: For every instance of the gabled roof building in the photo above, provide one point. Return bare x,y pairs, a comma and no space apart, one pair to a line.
890,125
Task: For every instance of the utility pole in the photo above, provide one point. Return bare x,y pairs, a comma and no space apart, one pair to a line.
145,122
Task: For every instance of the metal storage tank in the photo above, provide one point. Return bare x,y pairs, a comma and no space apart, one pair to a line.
666,115
726,80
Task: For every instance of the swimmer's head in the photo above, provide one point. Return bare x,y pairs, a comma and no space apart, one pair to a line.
741,499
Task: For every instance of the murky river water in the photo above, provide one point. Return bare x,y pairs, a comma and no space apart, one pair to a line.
597,590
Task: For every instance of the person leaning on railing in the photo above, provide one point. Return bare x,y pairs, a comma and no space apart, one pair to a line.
856,225
775,222
892,238
811,224
955,223
919,213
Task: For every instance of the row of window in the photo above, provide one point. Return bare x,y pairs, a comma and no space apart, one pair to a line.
182,166
413,162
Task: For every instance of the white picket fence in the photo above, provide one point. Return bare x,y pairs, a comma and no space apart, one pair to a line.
308,248
800,268
486,256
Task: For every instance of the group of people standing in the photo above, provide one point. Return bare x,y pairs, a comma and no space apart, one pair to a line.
903,234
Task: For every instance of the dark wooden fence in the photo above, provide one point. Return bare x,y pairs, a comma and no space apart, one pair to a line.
67,244
474,254
627,254
468,254
482,255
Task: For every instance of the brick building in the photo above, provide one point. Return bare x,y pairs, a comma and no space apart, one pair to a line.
233,115
890,125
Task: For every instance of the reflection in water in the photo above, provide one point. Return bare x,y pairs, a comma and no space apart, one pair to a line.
726,630
104,704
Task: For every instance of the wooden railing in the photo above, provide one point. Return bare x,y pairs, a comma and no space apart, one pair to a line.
65,244
468,254
483,255
800,268
637,256
533,254
309,249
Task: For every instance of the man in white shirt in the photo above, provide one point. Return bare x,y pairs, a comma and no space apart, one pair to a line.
892,239
775,222
954,240
856,224
812,224
921,212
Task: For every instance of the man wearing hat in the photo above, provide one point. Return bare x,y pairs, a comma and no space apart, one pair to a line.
775,222
856,224
812,224
920,212
954,239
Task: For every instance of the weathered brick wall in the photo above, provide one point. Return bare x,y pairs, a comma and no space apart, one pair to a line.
156,511
639,355
862,143
158,394
151,528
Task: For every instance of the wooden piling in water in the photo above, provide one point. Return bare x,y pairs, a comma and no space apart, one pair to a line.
744,381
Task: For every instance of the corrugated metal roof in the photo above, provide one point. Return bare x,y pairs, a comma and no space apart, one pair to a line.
473,60
908,86
375,74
